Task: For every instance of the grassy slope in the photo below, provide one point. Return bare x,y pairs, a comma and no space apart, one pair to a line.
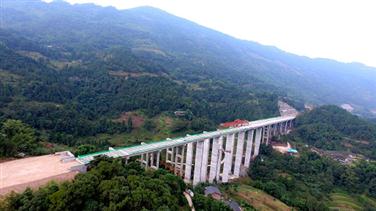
163,124
242,192
255,197
344,201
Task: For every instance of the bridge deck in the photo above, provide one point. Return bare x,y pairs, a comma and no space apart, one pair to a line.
160,145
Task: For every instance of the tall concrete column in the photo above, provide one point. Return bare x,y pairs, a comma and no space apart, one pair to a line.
271,133
214,164
239,153
281,128
220,158
182,160
248,151
228,157
273,129
179,156
286,127
154,159
278,128
188,163
170,155
266,134
147,160
198,159
257,141
143,160
158,158
204,162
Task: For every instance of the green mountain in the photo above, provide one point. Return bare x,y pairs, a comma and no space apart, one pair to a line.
71,69
66,71
332,128
183,50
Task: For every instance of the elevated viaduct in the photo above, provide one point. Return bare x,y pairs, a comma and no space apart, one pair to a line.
219,155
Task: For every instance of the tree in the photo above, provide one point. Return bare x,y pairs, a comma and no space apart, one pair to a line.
149,125
85,149
179,125
16,137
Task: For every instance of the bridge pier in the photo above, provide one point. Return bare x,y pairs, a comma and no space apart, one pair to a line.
215,160
228,157
239,153
188,163
249,146
257,141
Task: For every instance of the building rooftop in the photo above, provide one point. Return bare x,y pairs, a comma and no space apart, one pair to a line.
235,123
234,205
212,190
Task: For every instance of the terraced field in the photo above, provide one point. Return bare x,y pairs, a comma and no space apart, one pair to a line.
345,202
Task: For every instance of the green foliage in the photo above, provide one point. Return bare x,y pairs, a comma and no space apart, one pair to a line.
201,124
17,137
149,125
179,125
84,99
181,54
206,203
327,127
307,181
109,185
320,135
85,149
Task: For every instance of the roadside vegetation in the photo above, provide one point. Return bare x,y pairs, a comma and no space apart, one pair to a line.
110,184
308,181
332,128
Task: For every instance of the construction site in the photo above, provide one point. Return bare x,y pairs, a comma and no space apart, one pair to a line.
37,171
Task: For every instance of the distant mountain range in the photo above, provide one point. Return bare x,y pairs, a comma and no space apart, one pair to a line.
123,41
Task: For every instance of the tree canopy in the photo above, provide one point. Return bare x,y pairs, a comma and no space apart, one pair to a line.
307,181
17,137
332,128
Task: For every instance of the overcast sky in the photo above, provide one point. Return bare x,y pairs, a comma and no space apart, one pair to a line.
344,30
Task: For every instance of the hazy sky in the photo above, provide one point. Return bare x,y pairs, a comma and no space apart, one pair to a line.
344,30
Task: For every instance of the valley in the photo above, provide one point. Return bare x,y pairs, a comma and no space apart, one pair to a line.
94,80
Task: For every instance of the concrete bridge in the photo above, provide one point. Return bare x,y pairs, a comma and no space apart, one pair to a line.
219,155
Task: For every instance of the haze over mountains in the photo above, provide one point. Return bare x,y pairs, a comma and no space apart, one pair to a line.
60,35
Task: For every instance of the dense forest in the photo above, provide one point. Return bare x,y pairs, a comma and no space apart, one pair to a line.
306,181
64,101
82,101
332,128
17,137
110,184
149,40
68,80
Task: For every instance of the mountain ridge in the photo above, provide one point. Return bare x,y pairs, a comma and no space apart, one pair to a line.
187,50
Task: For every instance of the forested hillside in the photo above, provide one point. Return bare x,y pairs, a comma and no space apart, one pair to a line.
332,128
150,40
311,182
71,82
71,71
82,101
